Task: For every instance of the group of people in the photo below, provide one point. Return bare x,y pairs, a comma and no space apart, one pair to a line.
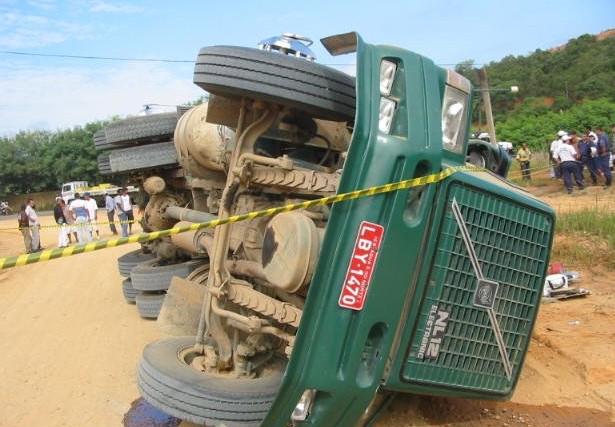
571,154
77,220
123,206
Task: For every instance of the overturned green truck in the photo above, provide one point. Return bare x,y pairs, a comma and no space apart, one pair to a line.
314,316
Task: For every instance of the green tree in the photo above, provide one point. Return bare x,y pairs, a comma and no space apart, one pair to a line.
538,130
33,161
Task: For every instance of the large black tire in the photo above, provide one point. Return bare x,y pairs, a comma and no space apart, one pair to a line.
134,130
143,157
104,167
100,141
232,71
130,293
131,259
149,303
154,275
166,380
99,137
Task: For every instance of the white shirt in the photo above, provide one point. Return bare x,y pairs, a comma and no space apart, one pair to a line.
92,207
109,203
567,153
32,216
555,147
125,199
78,207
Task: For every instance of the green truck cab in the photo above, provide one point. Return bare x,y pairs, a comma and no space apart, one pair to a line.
431,289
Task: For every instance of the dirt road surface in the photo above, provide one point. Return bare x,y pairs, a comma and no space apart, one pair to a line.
70,345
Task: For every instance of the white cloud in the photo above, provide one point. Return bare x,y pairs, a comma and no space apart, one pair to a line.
20,31
30,38
59,98
11,20
102,6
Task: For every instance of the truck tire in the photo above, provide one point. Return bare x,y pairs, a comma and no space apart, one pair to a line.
130,293
131,259
135,130
153,275
104,167
168,382
100,141
143,157
149,303
232,71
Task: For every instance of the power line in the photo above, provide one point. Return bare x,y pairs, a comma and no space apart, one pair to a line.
111,58
106,58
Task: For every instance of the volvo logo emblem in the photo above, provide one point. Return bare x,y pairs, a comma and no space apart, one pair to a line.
486,291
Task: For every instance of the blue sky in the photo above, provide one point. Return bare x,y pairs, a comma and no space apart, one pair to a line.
47,92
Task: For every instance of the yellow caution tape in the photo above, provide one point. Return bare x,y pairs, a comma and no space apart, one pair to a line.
81,224
87,224
48,254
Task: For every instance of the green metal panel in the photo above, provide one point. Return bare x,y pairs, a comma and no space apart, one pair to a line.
451,345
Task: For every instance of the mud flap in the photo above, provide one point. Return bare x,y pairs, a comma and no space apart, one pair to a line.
181,310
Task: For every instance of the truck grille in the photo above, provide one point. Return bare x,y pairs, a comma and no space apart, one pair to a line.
478,309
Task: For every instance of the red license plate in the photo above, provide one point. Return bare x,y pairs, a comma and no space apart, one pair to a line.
361,266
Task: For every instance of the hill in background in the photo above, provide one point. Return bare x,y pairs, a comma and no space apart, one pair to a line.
566,87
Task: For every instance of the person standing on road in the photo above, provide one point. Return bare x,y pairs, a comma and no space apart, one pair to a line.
603,145
58,215
121,213
556,171
587,151
24,227
70,223
110,207
81,216
127,207
92,207
524,155
574,141
567,156
35,225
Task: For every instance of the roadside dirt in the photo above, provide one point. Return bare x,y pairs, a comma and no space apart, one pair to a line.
70,345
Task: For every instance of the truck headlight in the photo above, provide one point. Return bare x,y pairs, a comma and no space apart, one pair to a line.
387,76
454,119
387,112
455,111
387,105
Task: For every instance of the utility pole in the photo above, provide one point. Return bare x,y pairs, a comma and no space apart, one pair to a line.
484,88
